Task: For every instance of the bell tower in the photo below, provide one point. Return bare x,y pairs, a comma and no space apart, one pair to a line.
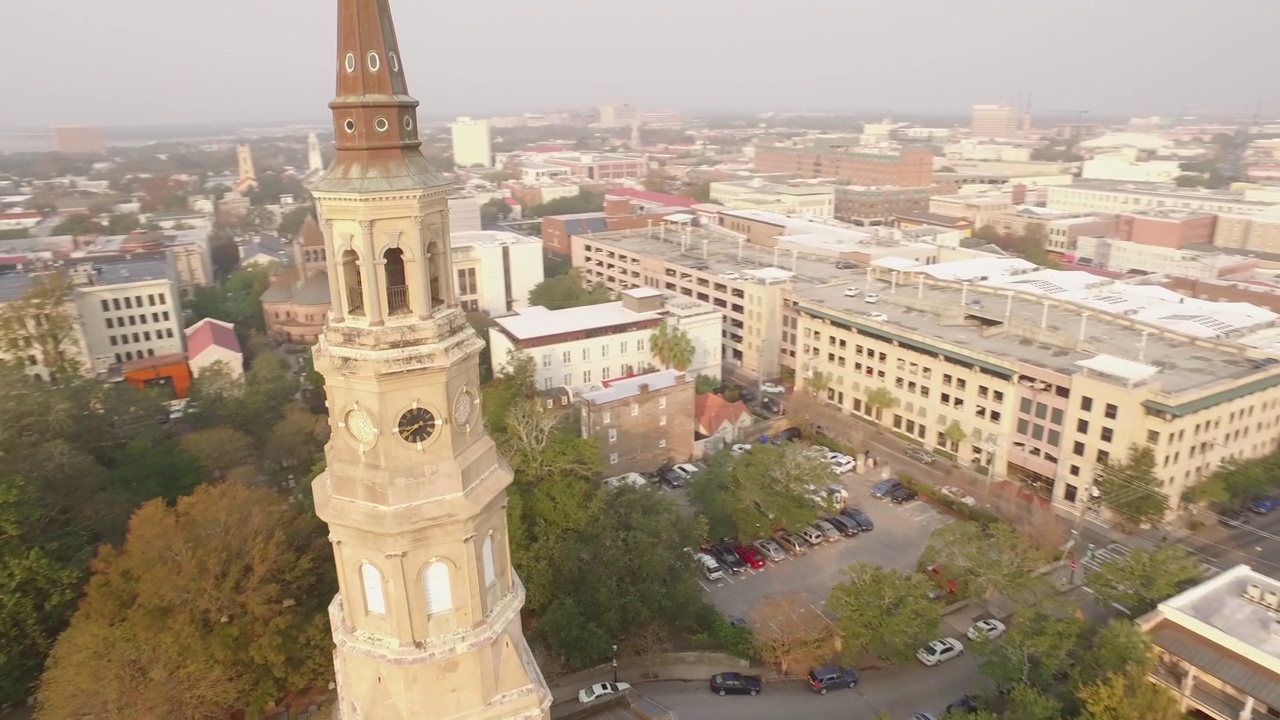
426,623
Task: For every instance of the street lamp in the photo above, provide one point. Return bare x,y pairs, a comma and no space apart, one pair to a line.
615,664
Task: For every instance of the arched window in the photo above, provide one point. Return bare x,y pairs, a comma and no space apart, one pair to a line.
435,582
371,579
486,552
397,289
355,283
128,355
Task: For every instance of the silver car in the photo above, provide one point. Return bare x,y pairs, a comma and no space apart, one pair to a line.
770,549
829,532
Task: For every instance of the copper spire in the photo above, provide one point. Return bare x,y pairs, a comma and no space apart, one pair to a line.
375,122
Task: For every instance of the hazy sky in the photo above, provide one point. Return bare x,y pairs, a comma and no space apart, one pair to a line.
166,61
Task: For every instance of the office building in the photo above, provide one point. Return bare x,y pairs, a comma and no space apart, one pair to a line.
868,206
495,271
471,144
994,122
641,423
128,309
802,200
580,348
620,116
1059,227
853,164
599,166
1218,646
1105,196
78,140
1125,257
1253,231
1167,227
620,213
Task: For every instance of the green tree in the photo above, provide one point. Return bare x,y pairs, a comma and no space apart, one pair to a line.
160,468
700,192
42,324
583,202
1128,696
1238,480
656,181
212,605
566,291
990,561
817,383
237,301
879,399
15,234
225,255
672,347
1130,488
495,210
1108,649
704,384
1038,651
220,449
1025,702
988,233
122,223
883,613
291,222
1143,578
80,224
747,496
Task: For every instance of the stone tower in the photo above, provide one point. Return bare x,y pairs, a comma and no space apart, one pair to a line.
315,162
426,622
244,163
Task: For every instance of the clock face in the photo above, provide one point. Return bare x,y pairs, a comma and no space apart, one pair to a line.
361,426
462,407
416,425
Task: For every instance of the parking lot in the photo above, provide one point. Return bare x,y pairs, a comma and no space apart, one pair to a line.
899,538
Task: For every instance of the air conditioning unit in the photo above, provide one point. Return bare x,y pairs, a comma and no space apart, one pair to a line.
1253,593
1271,599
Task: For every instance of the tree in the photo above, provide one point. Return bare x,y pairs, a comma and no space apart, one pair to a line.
1128,696
495,210
291,222
583,202
79,224
42,324
220,449
160,468
987,232
1025,702
656,181
566,291
1038,651
955,434
672,347
817,383
700,192
989,561
790,634
704,384
879,399
225,255
212,605
747,496
883,613
1108,649
237,301
122,223
1143,578
1237,480
1130,489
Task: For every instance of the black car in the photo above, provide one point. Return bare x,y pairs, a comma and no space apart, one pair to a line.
831,677
1236,518
843,525
846,265
787,435
746,394
729,560
670,479
903,495
732,683
859,518
967,705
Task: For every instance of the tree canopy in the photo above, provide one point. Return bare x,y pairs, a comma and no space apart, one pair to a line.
41,326
989,561
237,300
747,496
883,614
1130,488
79,224
291,222
566,291
672,347
583,202
1143,578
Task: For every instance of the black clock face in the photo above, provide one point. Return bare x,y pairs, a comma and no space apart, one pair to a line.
416,425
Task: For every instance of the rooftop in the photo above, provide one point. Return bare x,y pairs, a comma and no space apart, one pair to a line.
491,238
1238,609
630,387
537,321
1162,190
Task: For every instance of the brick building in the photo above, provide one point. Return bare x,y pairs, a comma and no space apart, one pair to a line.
877,205
1167,227
641,422
75,140
619,213
600,166
908,167
1254,292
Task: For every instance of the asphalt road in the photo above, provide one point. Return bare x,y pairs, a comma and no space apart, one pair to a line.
1257,544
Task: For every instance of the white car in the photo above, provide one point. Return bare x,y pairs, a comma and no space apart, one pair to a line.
843,466
770,387
632,479
832,456
813,535
730,275
940,651
990,629
877,316
871,298
958,495
686,469
600,690
739,449
852,292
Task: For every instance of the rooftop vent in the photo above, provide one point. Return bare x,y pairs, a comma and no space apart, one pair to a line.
1253,592
1275,627
1271,599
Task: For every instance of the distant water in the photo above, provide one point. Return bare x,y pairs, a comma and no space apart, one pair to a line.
16,143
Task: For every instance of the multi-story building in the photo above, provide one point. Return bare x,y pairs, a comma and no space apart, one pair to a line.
1116,198
905,167
1167,227
973,150
1046,375
600,166
1263,291
816,201
868,206
1218,646
977,208
1121,256
1060,228
297,301
495,270
641,423
1257,231
471,144
994,122
1127,168
78,140
644,201
464,212
128,309
619,214
583,347
616,116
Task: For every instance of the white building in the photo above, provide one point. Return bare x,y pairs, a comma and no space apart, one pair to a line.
211,341
464,212
1126,166
613,116
496,271
1108,253
1106,196
582,347
971,150
471,144
816,201
128,309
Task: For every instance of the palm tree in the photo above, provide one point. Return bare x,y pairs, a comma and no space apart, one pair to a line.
955,435
878,399
672,347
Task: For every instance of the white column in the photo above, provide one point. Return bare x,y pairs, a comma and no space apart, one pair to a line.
369,275
337,293
1247,712
422,269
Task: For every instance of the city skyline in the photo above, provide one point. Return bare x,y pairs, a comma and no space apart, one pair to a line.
944,58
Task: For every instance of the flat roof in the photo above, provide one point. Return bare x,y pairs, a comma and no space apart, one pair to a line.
491,238
1225,603
537,321
630,387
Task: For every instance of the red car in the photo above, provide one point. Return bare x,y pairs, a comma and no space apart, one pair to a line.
750,556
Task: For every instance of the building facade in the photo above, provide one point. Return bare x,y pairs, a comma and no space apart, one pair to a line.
618,116
1099,196
641,423
471,144
994,122
426,622
877,205
128,309
600,166
1167,227
495,271
296,303
907,167
1254,231
77,140
816,201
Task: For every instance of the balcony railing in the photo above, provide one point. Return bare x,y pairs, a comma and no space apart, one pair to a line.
398,300
355,299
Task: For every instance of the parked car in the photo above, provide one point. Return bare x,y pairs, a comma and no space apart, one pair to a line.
730,275
772,404
846,265
750,556
791,542
885,487
813,535
787,435
600,690
924,716
670,478
1235,518
710,568
967,705
843,466
733,683
989,629
877,316
832,677
871,298
740,448
1264,505
852,292
770,549
773,387
829,533
746,394
920,455
729,560
903,495
957,494
940,651
632,479
843,525
686,469
859,518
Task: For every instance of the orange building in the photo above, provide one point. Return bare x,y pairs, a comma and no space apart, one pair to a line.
160,371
